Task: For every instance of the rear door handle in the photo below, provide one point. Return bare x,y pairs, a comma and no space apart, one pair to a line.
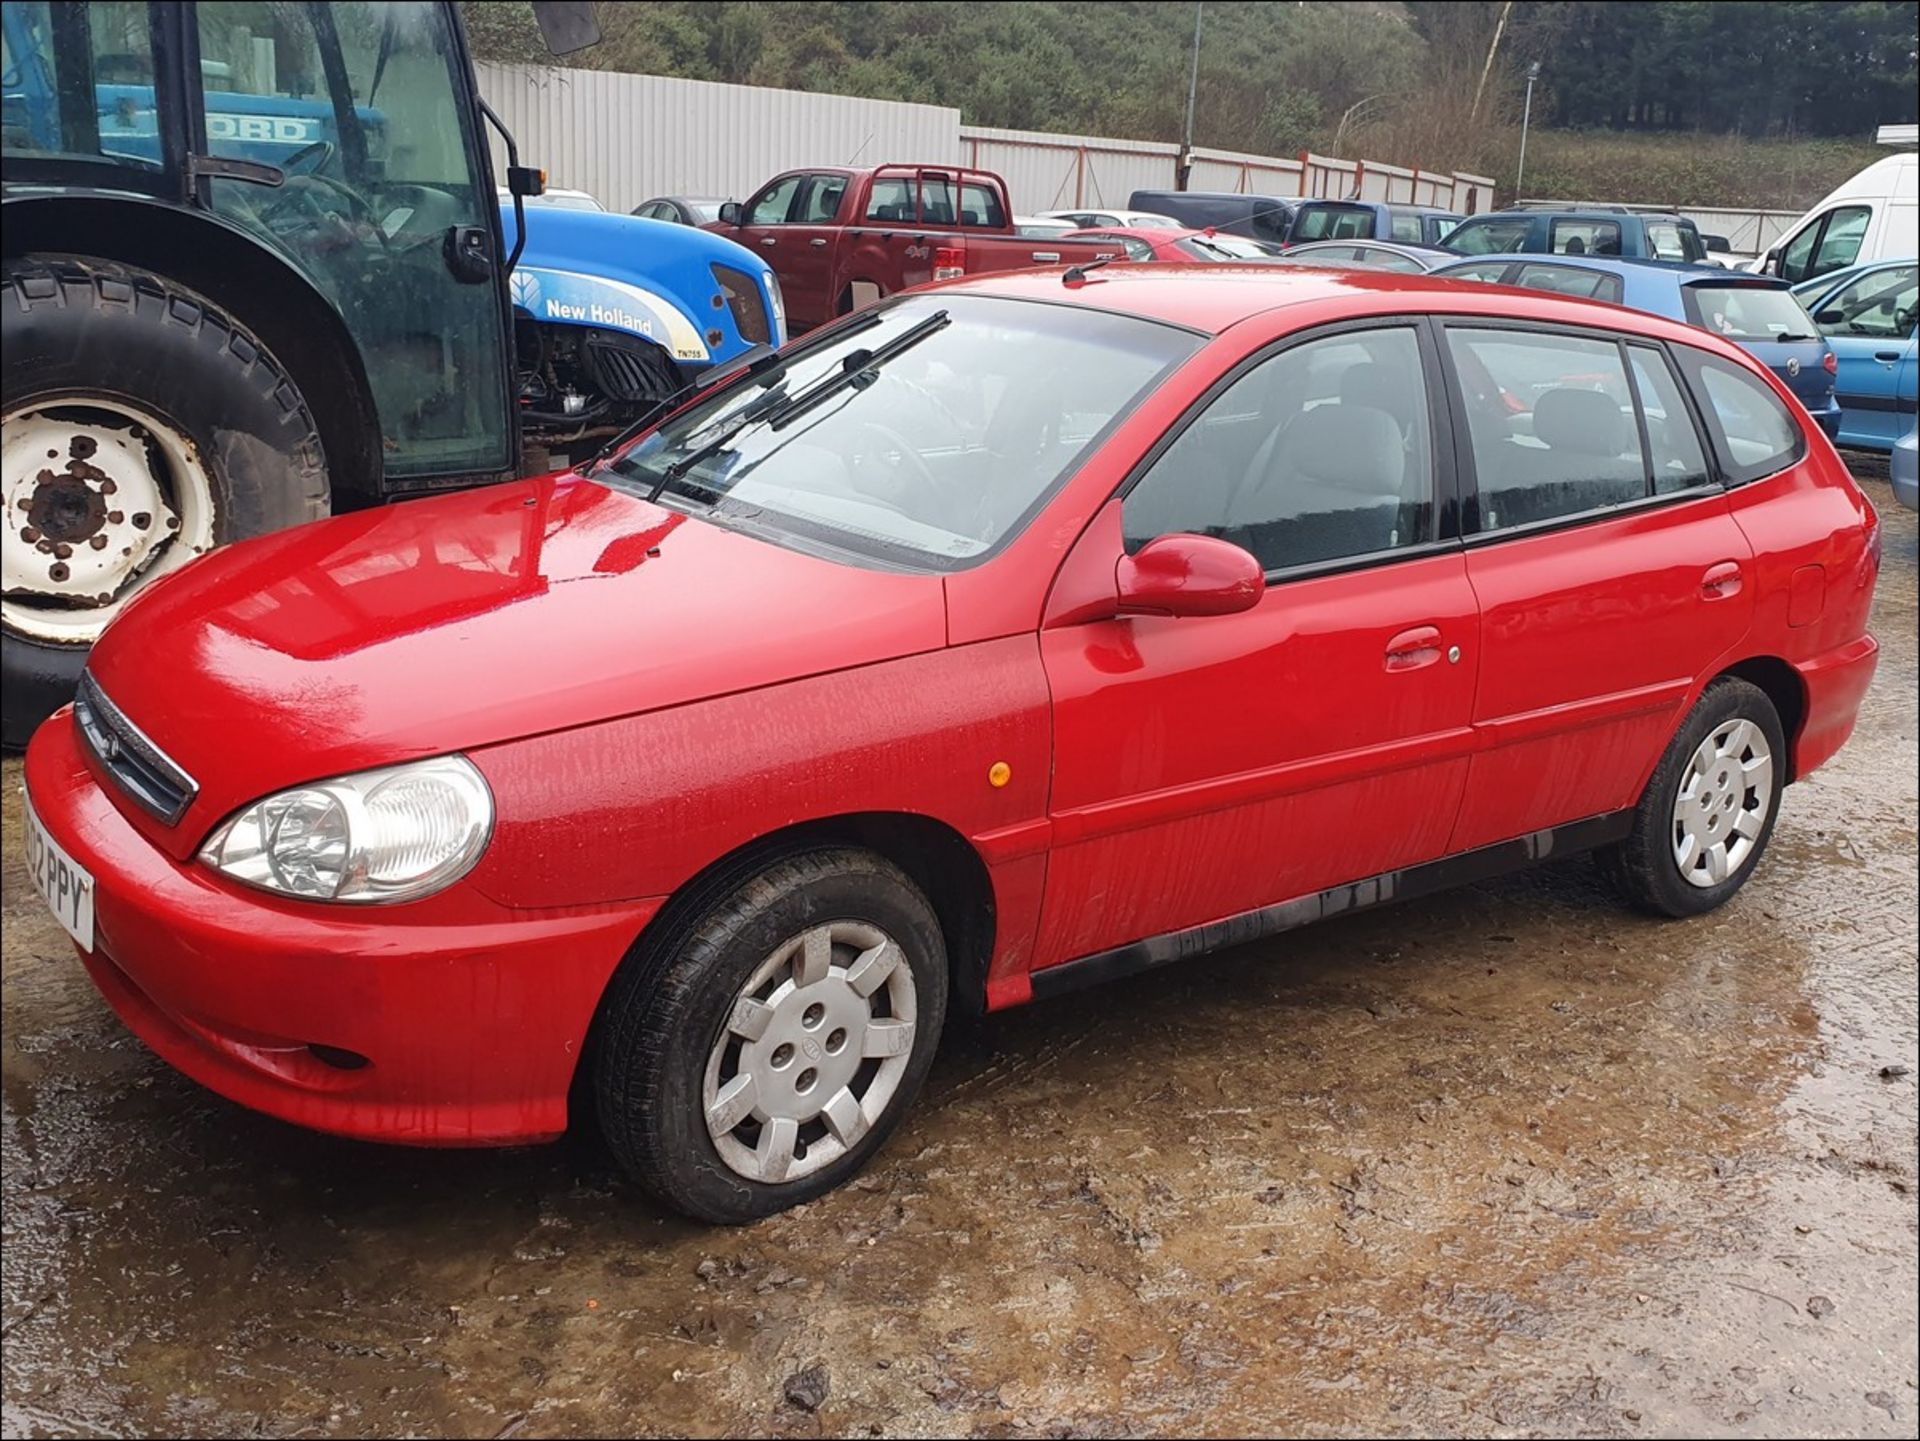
1722,581
817,241
1045,256
1413,649
769,240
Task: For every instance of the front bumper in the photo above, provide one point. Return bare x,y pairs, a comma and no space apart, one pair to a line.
448,1021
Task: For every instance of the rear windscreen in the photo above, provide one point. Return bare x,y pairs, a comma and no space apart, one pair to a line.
1749,312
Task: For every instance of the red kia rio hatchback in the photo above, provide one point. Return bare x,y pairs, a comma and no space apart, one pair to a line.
1011,635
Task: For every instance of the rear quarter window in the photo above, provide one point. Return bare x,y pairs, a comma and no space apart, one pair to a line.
1754,431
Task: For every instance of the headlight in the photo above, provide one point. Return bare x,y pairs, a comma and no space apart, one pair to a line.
779,308
385,835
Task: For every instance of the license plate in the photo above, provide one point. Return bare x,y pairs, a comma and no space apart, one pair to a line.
64,884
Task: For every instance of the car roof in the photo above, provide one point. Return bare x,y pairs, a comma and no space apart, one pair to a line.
1627,266
1214,298
1294,200
1406,247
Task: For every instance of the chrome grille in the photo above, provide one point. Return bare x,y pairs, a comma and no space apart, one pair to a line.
137,765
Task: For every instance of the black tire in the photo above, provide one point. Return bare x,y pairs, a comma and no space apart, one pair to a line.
669,1002
74,326
1643,867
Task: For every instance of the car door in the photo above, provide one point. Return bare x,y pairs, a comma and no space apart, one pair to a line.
807,249
1869,322
1205,767
763,230
1610,574
1830,241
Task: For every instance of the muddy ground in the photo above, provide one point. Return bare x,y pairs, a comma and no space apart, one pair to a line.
1508,1161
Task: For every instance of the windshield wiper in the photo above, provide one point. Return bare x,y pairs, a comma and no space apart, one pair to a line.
748,362
856,371
1785,337
769,404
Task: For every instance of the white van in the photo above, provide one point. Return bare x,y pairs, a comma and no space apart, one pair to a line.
1872,217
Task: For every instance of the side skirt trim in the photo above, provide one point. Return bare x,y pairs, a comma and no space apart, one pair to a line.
1401,885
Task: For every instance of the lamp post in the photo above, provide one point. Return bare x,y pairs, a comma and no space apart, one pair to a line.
1526,117
1183,167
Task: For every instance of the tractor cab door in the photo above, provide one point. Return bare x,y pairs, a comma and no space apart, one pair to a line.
345,136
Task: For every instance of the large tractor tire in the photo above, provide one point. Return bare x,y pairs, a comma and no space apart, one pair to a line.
140,426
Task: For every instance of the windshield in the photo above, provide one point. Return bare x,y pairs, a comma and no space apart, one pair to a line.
1749,312
1222,247
1154,222
946,421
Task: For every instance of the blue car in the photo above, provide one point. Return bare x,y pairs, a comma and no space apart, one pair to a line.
1623,234
1756,312
1868,315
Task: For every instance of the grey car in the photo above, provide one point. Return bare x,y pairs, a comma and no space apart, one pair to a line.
1904,469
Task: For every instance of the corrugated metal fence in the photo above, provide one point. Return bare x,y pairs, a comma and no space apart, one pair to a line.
626,138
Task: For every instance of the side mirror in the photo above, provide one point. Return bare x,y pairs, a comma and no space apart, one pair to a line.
1771,265
1716,242
1830,317
730,213
567,25
1189,575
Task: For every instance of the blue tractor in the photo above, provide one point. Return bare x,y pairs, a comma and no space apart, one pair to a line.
253,269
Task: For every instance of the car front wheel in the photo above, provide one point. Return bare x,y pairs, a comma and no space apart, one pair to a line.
1706,816
757,1053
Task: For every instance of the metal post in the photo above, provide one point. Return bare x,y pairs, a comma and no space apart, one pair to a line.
1526,117
1185,166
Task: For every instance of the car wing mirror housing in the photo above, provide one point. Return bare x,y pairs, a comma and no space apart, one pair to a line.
730,213
1189,575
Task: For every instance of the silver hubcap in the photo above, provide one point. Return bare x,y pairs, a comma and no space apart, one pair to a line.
1723,801
100,497
812,1052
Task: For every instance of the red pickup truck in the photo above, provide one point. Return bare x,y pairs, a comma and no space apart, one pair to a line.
839,239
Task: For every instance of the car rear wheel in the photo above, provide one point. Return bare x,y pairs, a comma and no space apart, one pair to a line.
1708,813
759,1050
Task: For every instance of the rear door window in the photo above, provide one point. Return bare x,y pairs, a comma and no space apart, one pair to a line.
1494,235
1570,280
820,200
1667,241
1584,237
1753,430
1406,227
936,200
1381,258
1551,423
1487,273
1673,445
1332,222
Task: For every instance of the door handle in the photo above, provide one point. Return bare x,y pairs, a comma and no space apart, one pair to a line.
1887,357
1722,581
1413,649
817,241
769,240
1046,256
